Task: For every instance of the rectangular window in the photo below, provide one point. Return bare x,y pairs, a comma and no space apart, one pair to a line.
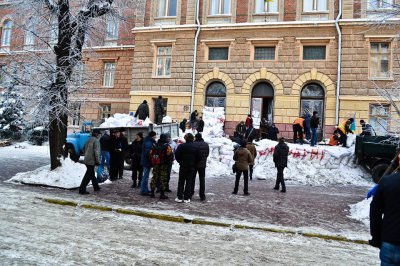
105,111
6,36
261,6
166,8
220,7
163,68
112,28
109,73
78,77
218,53
380,60
379,118
380,4
30,31
264,53
315,5
314,52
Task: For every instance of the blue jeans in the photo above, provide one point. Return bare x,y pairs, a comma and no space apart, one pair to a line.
390,254
313,136
144,186
105,156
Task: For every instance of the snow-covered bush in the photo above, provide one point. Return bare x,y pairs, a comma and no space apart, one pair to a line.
37,135
11,113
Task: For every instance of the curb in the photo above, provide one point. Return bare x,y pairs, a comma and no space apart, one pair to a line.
181,219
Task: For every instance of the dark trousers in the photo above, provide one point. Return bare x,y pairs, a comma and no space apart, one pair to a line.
279,178
307,131
246,181
251,171
343,138
202,179
137,172
185,182
297,130
116,165
89,176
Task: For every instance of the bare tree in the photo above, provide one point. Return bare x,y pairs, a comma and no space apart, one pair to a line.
52,37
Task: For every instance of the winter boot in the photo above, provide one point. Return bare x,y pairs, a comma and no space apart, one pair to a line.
152,195
163,196
134,184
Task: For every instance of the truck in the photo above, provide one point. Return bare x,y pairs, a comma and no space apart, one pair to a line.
75,142
376,153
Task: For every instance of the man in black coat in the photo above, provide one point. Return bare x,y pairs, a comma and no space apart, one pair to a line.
136,156
200,167
273,132
182,125
187,155
105,149
200,125
314,123
193,120
159,110
385,219
280,156
142,111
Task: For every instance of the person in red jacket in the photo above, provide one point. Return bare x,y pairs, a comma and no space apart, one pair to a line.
249,121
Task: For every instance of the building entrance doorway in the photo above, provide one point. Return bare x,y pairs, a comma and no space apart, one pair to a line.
262,103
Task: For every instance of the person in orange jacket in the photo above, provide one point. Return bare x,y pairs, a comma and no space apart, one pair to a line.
298,126
334,140
344,129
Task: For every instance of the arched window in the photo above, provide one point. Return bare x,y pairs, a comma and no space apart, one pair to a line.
6,35
216,95
313,99
30,28
262,103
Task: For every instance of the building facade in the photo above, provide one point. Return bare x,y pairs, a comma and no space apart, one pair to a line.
276,61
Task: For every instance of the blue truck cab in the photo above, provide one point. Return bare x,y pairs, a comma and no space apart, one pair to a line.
75,142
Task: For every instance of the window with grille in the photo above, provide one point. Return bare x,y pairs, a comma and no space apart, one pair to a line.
216,95
109,74
218,53
163,68
380,4
261,6
379,118
78,77
220,7
105,111
6,35
166,8
264,53
314,52
379,58
112,28
315,5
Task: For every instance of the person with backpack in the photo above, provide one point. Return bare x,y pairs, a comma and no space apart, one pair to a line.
148,143
161,156
200,167
187,155
136,155
92,159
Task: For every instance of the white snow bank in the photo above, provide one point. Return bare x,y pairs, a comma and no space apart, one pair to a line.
68,175
124,120
26,149
360,211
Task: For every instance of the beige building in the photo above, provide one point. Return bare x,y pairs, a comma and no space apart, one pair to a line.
277,64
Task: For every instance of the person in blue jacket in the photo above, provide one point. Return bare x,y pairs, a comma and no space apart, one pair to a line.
148,143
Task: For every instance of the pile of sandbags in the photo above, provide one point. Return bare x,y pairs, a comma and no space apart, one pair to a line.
124,120
214,119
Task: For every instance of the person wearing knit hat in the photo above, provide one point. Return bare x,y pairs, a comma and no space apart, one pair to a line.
200,167
136,154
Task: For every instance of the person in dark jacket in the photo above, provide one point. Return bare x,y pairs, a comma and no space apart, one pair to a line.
92,158
251,133
121,151
314,123
200,167
143,111
200,125
242,158
165,156
114,154
307,126
273,132
159,110
241,129
280,158
182,125
105,148
385,219
187,155
193,120
148,143
366,128
136,156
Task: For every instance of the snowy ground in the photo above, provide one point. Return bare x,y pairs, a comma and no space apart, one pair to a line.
36,233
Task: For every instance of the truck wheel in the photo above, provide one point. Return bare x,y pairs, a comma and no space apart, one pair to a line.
69,150
378,171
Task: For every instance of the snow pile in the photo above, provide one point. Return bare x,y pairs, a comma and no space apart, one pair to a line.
167,119
308,165
214,119
360,211
124,120
68,175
